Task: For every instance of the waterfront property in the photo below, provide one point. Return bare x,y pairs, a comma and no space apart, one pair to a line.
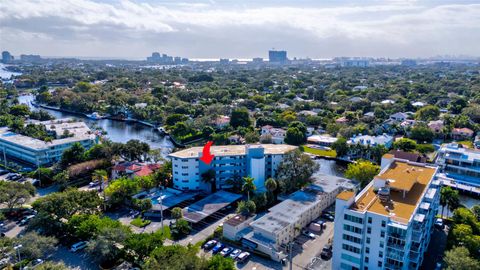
459,165
322,140
367,140
133,169
273,230
258,161
40,153
388,225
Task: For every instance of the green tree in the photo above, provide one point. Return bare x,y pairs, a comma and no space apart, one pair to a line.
218,262
135,150
181,228
428,113
272,186
476,211
209,177
177,213
447,196
459,258
295,171
405,144
175,257
50,265
422,133
61,179
142,244
44,175
341,147
105,248
294,136
121,190
252,137
75,154
240,118
362,171
248,186
36,246
246,208
14,194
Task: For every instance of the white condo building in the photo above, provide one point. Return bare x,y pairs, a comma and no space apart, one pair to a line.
259,161
37,152
387,225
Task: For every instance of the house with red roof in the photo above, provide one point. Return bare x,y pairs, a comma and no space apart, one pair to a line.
133,169
462,133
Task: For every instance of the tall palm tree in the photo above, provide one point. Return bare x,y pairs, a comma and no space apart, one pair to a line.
209,177
100,176
248,186
271,186
450,198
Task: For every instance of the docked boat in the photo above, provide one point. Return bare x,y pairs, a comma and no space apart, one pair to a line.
162,130
95,116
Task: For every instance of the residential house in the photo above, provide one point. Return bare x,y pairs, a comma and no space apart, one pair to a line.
462,133
278,134
222,121
399,117
133,169
436,126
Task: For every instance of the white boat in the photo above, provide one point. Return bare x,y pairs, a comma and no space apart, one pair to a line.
95,116
162,130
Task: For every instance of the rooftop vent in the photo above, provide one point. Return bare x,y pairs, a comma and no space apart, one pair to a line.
384,193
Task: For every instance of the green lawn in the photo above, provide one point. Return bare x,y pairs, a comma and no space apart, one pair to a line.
318,152
138,222
166,232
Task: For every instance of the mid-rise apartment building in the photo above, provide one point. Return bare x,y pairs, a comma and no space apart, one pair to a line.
387,225
258,161
39,153
459,165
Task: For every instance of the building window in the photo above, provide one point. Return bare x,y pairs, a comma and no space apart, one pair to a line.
353,218
369,220
367,250
380,254
379,264
382,234
351,248
368,240
351,238
369,229
384,223
366,259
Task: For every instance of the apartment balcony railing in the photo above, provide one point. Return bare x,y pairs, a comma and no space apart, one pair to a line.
392,266
395,256
413,256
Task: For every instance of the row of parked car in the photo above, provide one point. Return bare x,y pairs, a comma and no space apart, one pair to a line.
218,248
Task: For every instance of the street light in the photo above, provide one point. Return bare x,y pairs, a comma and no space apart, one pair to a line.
17,248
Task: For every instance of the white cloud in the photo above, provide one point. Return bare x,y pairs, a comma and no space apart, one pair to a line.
209,30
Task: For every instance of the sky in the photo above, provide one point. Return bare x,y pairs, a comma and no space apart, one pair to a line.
240,28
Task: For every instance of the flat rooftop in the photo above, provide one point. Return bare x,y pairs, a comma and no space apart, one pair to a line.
405,178
209,205
329,183
454,151
35,144
288,211
234,150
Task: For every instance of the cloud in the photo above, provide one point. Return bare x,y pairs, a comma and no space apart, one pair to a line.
211,30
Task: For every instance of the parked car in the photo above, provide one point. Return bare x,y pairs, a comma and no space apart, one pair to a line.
226,251
327,216
93,184
326,252
284,261
14,176
243,257
26,219
235,253
78,246
35,263
439,223
217,248
210,244
308,234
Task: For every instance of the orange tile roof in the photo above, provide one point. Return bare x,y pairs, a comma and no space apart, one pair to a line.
387,155
399,207
345,195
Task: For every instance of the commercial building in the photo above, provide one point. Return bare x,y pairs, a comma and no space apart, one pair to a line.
6,57
37,152
277,56
258,161
459,165
271,232
387,225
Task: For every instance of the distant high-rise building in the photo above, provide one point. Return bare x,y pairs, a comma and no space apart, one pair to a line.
277,56
30,58
355,62
6,57
409,62
166,59
224,61
257,60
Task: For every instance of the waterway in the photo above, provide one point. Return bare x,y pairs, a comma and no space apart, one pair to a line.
5,74
117,131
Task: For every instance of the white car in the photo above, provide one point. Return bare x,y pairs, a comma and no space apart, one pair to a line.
78,246
308,234
439,223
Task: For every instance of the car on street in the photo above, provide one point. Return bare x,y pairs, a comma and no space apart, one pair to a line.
243,257
25,220
78,246
226,251
439,223
235,253
210,244
93,184
326,252
217,248
14,176
308,234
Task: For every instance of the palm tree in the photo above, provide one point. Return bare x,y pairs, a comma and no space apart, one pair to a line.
248,186
99,175
271,186
449,198
209,177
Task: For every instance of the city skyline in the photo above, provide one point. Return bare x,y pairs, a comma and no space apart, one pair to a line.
213,29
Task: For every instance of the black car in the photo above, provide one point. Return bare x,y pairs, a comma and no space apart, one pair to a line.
326,252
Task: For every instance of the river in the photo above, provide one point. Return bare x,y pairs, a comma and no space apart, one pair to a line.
5,74
117,131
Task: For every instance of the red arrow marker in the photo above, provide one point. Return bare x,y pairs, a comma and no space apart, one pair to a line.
207,157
